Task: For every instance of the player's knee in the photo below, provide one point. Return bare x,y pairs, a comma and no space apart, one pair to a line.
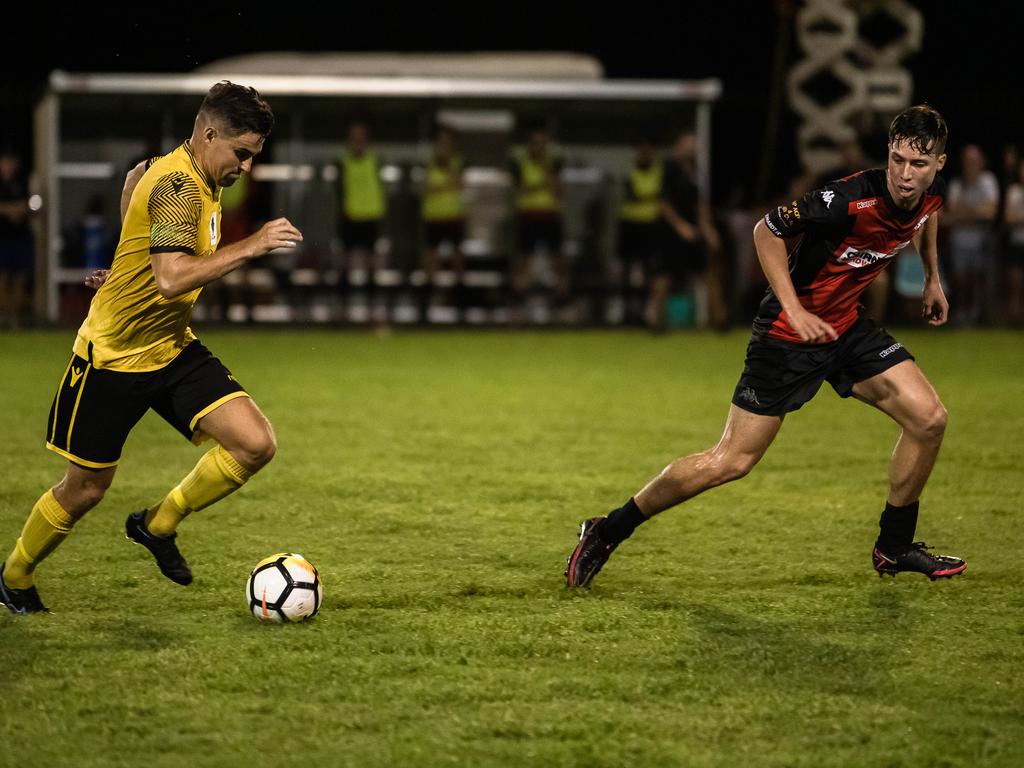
736,467
932,423
257,451
80,495
726,467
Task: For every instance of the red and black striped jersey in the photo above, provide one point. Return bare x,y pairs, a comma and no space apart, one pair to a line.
846,233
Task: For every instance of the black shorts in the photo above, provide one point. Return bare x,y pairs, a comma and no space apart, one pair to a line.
452,232
780,376
536,230
1014,255
95,409
359,235
677,257
638,241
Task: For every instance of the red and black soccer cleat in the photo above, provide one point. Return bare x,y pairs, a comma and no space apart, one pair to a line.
591,553
915,558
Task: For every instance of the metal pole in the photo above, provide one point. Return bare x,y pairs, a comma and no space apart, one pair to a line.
47,157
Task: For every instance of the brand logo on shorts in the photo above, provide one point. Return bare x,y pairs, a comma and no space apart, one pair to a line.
749,395
76,374
889,350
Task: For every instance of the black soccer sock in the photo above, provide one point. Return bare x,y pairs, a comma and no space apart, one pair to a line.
621,523
897,526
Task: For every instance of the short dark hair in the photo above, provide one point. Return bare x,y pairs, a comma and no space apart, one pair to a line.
922,128
238,108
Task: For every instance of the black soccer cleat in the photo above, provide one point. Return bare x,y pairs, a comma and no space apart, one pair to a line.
591,553
168,558
915,558
20,600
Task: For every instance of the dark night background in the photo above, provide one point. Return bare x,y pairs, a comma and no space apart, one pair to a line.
969,65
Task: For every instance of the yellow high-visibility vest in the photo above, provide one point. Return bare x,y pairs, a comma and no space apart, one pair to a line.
534,178
364,193
646,183
443,198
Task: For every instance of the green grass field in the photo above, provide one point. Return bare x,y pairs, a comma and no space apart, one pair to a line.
437,481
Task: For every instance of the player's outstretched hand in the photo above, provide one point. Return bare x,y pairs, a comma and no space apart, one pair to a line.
811,327
96,278
934,307
279,233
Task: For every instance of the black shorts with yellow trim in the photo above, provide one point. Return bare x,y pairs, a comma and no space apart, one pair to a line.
95,408
780,376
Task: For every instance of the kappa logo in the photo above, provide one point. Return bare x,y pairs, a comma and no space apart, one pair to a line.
921,222
862,204
749,395
889,350
213,229
76,374
827,195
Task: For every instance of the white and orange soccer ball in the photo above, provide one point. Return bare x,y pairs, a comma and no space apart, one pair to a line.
284,587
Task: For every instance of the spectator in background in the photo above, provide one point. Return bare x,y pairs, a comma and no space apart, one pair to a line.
17,248
691,246
537,174
973,204
444,219
363,205
1014,251
638,231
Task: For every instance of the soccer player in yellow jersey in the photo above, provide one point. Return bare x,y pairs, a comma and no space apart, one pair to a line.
135,350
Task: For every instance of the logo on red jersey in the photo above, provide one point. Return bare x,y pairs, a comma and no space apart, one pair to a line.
864,257
860,205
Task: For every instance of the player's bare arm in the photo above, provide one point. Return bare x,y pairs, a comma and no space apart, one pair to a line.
771,253
707,227
935,307
178,272
131,181
98,277
686,229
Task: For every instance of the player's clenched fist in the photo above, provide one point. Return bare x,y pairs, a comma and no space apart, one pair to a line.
279,233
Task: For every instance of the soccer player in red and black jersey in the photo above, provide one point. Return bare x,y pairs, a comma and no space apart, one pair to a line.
809,330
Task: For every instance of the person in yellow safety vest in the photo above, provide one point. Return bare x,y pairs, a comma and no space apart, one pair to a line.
536,171
363,206
638,228
443,215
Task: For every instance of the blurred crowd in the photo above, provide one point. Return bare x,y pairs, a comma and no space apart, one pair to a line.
672,258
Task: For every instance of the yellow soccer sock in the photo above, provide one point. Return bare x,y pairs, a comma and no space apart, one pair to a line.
47,526
215,476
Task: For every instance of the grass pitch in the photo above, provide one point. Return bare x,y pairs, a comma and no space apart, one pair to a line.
436,480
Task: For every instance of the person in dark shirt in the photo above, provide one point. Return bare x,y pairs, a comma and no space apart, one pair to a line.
16,244
689,244
809,330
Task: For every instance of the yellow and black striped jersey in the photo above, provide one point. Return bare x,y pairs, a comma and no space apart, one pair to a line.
130,326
